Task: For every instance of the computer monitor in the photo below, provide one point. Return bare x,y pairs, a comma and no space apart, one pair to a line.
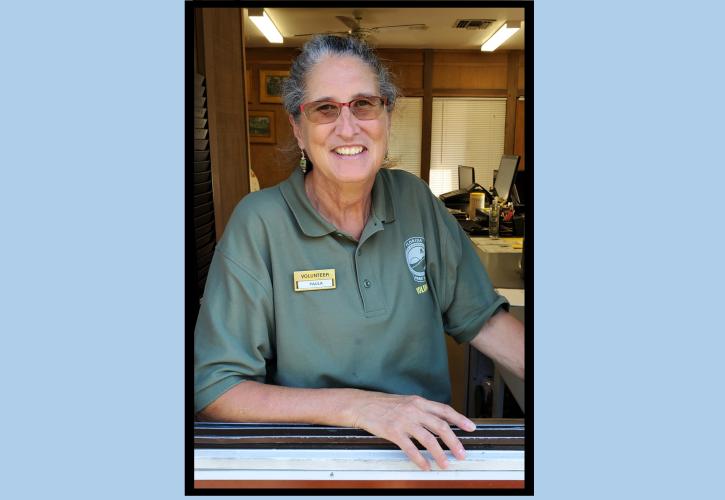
519,188
506,174
466,177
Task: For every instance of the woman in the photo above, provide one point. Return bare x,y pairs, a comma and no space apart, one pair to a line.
328,295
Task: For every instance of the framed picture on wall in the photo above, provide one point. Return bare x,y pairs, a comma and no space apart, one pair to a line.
270,85
261,127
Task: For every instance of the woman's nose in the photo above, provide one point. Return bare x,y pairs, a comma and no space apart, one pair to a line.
346,122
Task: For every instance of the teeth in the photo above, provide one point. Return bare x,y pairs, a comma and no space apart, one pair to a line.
352,150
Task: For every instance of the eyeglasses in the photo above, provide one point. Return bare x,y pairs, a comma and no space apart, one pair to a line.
362,108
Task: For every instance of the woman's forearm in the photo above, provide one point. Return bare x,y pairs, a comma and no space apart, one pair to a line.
251,401
397,418
502,339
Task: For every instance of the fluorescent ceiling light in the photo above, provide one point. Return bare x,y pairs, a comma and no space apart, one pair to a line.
504,33
260,18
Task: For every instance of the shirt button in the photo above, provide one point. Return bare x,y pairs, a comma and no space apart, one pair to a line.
367,283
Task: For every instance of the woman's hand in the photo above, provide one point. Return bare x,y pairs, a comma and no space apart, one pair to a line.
400,419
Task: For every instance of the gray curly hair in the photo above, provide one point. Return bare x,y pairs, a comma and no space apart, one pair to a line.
293,87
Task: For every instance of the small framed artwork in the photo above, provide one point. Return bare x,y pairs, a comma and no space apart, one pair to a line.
261,126
270,85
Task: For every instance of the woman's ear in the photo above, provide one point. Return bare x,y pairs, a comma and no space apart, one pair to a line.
297,132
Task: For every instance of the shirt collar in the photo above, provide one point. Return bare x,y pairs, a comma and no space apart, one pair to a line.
383,207
312,223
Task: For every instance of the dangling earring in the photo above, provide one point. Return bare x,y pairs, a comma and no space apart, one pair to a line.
303,163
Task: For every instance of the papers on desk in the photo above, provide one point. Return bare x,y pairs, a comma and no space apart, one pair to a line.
501,245
515,296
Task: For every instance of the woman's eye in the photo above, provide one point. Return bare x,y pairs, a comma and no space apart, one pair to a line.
325,108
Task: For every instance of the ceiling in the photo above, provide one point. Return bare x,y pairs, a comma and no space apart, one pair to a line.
440,33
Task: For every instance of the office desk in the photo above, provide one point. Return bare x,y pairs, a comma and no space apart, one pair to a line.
501,258
307,456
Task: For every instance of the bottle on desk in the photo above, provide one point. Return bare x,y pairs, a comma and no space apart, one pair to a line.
493,218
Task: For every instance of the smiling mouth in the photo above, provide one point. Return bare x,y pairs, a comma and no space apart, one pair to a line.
349,150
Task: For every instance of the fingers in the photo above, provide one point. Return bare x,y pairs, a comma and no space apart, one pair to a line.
425,435
430,442
433,420
442,429
405,444
400,419
436,419
450,415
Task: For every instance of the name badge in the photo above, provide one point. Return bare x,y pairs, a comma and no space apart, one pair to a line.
316,279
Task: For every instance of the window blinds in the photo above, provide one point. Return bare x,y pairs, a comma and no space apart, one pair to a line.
405,134
465,131
204,232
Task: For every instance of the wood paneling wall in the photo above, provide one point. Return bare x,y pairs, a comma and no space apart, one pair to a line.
427,116
272,163
407,69
522,66
512,80
224,70
519,135
469,73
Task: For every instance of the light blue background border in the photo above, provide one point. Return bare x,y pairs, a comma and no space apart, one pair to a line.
628,252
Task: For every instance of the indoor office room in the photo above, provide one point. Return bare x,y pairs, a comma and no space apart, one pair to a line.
458,125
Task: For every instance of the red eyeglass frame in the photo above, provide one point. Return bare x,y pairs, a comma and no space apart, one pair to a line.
343,104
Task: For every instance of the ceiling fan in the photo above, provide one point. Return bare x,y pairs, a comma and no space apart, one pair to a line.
363,33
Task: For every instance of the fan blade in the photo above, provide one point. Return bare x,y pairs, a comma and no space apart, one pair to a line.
410,26
324,33
350,23
371,40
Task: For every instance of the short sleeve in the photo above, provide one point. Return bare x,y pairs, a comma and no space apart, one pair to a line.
466,295
232,337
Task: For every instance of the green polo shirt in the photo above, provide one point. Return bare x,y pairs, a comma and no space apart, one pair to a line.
413,275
